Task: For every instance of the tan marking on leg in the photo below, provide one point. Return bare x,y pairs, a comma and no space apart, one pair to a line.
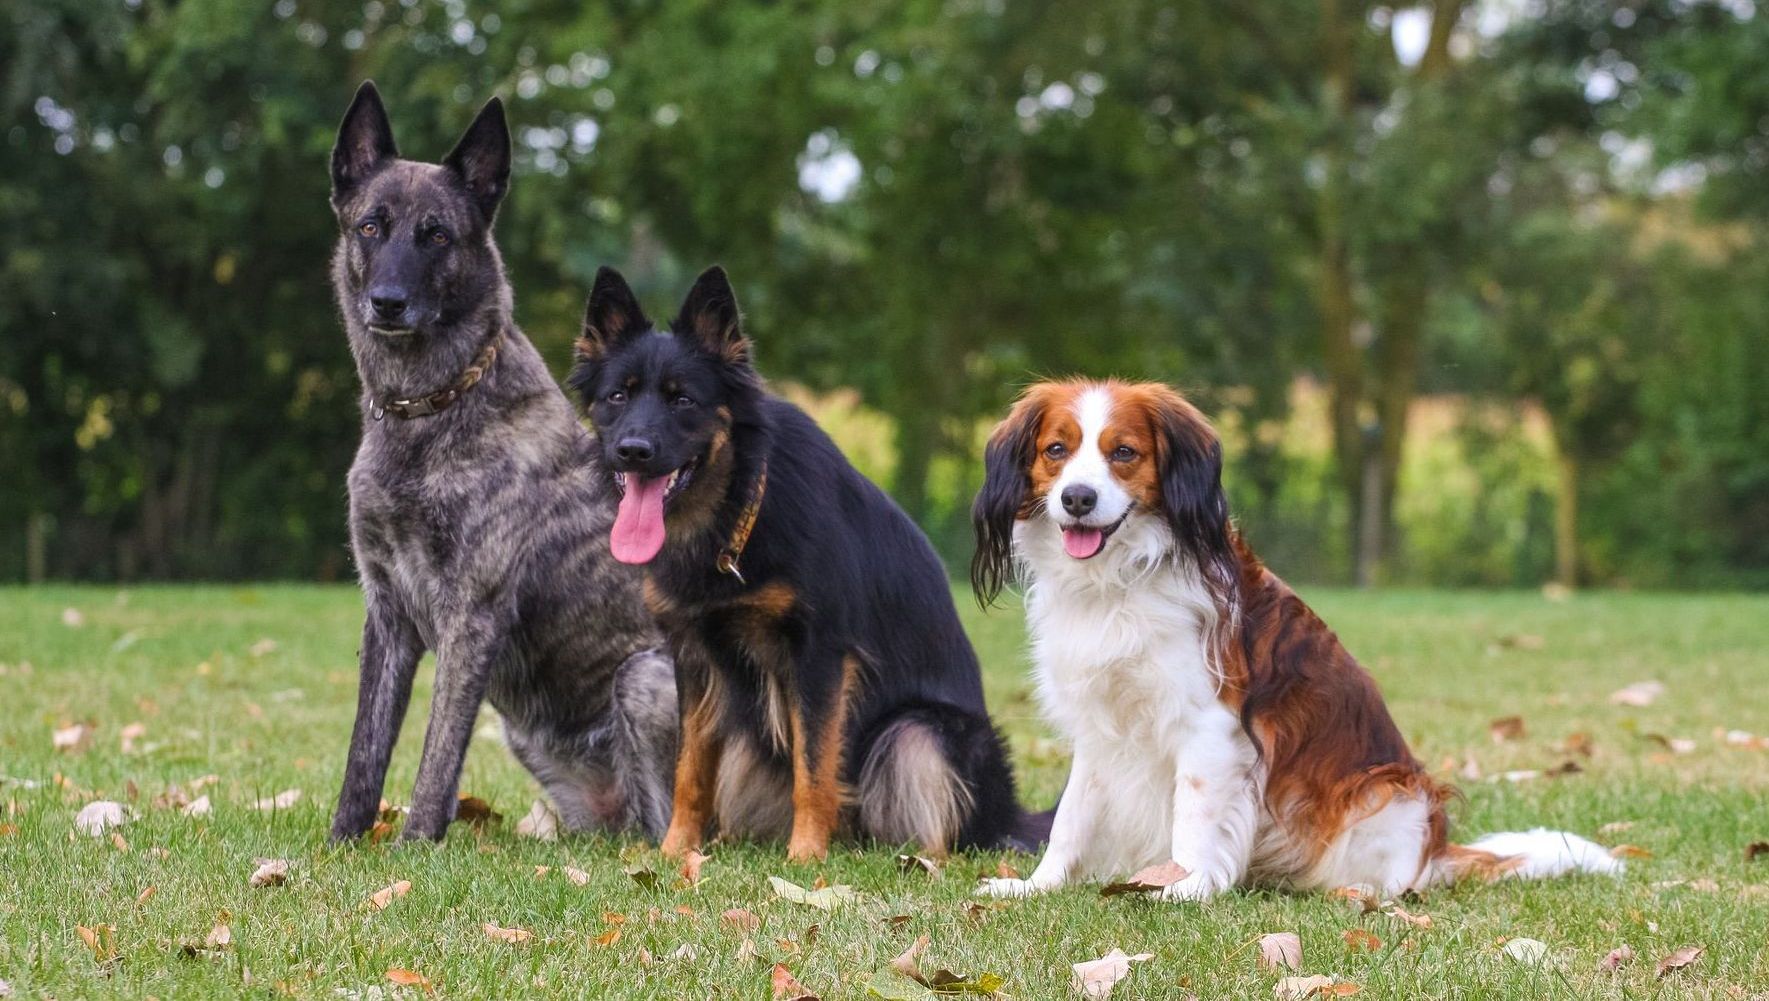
816,791
697,775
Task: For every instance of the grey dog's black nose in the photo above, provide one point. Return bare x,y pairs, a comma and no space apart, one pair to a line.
634,450
389,303
1079,501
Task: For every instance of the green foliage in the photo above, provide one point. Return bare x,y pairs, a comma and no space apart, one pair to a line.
1031,188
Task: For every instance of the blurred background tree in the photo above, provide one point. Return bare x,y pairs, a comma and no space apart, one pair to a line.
1471,286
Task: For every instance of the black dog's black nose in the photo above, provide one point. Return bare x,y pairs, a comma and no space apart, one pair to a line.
389,303
1079,500
634,450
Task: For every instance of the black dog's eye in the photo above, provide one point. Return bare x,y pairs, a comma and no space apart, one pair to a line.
617,397
682,401
439,237
1123,453
370,229
1055,450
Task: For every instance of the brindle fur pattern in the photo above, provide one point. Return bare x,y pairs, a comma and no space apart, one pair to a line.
481,532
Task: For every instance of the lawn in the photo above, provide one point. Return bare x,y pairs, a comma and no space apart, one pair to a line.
256,685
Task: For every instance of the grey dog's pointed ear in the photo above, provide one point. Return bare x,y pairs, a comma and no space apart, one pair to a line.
611,316
482,158
709,314
365,143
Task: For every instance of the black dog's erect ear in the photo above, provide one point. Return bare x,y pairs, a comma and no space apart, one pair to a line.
1189,461
710,315
482,158
611,316
1007,485
365,143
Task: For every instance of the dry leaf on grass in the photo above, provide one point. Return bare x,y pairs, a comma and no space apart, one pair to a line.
1316,986
127,736
1360,940
1280,950
1358,898
786,987
97,817
1616,827
691,864
1744,739
1155,877
643,875
607,938
1629,851
1528,951
73,618
475,812
1617,957
408,978
1005,871
1679,959
270,872
1676,745
198,808
1096,978
509,936
72,739
908,962
921,863
741,920
389,893
1639,694
1756,850
101,939
540,822
119,842
824,898
146,895
281,801
1506,728
577,876
262,648
1416,920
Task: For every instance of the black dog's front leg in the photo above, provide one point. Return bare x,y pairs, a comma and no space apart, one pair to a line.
463,670
390,652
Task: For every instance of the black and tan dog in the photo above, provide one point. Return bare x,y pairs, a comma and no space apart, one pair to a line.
824,681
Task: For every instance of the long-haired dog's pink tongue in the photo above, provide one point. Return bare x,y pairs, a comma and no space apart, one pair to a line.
638,525
1083,542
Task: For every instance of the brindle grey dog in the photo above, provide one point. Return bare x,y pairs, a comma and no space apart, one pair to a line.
478,521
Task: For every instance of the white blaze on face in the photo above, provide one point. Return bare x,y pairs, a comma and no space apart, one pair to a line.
1088,469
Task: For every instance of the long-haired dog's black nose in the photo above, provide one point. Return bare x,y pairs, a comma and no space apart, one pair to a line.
1079,501
634,450
389,303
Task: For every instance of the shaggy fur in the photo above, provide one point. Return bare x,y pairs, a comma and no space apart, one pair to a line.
479,532
826,685
1216,721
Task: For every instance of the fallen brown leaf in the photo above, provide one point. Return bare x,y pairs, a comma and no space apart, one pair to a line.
1005,871
146,895
913,863
127,736
786,987
1617,957
1639,694
1416,920
408,978
101,939
1506,728
1615,827
509,936
908,961
97,817
220,937
1577,743
1097,977
1360,940
741,920
1629,851
281,801
1280,950
1756,850
1523,641
119,842
577,876
1155,877
389,893
1357,898
475,812
1679,959
198,808
608,937
691,864
540,822
270,872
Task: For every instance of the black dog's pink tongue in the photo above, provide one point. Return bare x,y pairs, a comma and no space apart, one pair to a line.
638,525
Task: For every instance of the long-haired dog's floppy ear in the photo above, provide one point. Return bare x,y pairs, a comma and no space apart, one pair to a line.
1007,486
1189,458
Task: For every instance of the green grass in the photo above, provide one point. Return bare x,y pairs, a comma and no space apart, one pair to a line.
181,661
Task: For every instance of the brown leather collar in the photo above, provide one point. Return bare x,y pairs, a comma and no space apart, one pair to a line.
448,396
746,523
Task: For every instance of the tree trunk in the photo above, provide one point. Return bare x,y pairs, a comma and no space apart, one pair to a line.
916,444
1339,353
1566,518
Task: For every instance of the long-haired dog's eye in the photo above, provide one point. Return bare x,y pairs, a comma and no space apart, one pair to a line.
1055,450
617,397
1123,453
682,401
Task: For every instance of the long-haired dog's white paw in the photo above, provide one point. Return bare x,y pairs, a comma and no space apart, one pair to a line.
995,887
1196,886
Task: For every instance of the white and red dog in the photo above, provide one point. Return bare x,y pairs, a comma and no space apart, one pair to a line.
1216,721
